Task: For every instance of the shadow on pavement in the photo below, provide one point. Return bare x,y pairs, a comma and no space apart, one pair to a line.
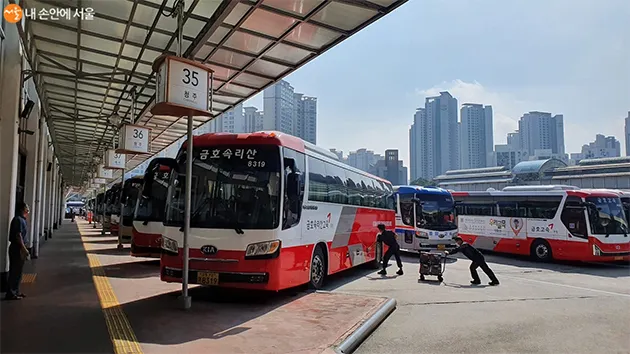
143,269
215,314
610,270
103,242
111,251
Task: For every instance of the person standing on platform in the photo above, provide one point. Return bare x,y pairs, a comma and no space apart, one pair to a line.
393,249
18,253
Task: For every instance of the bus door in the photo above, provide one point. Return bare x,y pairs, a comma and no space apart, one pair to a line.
406,239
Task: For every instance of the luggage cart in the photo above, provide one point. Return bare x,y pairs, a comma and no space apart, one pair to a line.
432,264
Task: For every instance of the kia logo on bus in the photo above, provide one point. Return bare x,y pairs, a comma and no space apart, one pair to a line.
208,250
617,247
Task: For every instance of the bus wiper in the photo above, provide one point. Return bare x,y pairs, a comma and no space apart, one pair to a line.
235,221
197,211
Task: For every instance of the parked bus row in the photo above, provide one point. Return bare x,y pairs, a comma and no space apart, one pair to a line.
270,211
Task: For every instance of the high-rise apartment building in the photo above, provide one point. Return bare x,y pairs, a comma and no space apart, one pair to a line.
542,131
390,168
434,138
363,159
510,154
253,119
290,112
627,134
476,137
232,121
603,146
305,117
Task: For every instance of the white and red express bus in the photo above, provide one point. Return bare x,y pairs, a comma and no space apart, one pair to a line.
546,222
270,211
148,219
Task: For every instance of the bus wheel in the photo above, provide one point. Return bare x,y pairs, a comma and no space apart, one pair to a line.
318,269
541,251
378,256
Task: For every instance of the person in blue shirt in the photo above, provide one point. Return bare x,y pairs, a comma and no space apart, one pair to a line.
18,253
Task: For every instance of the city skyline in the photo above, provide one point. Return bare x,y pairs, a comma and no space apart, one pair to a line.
521,64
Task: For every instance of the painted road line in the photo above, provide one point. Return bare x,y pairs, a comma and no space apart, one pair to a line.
568,286
29,278
122,335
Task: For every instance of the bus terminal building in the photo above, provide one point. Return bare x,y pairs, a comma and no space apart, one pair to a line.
612,173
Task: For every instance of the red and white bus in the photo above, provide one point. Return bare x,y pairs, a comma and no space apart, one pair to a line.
271,211
131,189
546,222
148,218
112,210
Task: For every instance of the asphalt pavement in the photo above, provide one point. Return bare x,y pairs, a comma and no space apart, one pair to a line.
538,308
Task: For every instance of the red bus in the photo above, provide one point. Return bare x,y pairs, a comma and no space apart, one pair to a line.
130,192
148,218
271,211
546,222
112,209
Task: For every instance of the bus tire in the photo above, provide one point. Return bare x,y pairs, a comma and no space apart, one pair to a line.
318,268
378,256
541,251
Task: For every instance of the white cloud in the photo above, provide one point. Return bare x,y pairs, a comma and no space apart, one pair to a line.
506,109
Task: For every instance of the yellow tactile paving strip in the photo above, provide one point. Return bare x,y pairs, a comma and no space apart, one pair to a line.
28,278
120,331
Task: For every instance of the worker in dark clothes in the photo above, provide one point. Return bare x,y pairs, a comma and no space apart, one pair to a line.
389,238
18,253
478,261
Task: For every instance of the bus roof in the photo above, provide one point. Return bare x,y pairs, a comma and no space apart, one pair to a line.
574,192
420,190
257,138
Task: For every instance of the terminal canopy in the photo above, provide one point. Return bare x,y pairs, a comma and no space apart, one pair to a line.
85,64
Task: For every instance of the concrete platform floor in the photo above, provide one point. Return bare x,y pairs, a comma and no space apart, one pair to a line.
88,297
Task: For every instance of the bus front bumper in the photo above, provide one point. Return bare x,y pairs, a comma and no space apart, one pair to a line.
204,277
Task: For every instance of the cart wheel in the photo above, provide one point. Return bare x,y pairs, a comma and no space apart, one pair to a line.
440,279
421,277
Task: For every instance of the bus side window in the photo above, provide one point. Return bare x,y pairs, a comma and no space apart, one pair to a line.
293,208
573,217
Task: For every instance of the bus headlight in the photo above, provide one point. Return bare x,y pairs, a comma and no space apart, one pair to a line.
263,250
422,234
170,245
597,251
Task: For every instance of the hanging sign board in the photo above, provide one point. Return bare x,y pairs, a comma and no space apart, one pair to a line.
134,139
114,160
104,173
99,181
184,87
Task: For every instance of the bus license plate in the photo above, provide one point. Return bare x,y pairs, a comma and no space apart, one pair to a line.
441,247
205,278
619,258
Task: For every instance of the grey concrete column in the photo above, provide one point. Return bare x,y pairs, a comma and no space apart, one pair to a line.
37,207
48,190
41,228
62,202
53,195
10,80
32,146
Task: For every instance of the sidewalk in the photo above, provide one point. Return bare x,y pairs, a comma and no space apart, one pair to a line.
86,296
61,313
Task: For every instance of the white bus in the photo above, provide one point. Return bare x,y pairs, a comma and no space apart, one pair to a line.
546,222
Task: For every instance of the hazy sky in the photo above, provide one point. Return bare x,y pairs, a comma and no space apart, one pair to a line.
561,56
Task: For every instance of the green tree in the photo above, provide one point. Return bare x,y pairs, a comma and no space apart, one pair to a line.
423,182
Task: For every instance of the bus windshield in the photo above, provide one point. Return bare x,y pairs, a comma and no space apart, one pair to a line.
234,187
437,212
132,189
610,211
152,208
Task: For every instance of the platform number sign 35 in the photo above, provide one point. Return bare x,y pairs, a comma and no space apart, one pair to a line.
190,77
